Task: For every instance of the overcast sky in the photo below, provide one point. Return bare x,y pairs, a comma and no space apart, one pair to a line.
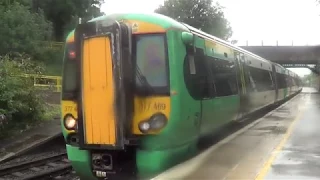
254,20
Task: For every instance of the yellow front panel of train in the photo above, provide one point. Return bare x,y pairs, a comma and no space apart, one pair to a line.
98,92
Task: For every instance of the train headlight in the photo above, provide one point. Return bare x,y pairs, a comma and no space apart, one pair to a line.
144,126
70,122
158,121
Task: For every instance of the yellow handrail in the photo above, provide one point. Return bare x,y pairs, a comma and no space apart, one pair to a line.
45,82
52,44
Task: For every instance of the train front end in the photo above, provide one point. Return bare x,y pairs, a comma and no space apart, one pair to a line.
111,99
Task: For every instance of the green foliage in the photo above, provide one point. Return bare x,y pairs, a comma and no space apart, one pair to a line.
200,14
22,31
19,100
310,80
10,2
62,13
52,59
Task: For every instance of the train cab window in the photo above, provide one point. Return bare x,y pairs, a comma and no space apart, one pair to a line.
69,69
196,74
223,75
151,62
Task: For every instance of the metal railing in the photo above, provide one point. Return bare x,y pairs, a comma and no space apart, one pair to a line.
53,45
43,82
272,43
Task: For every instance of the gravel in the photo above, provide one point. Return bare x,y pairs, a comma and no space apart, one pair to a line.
46,150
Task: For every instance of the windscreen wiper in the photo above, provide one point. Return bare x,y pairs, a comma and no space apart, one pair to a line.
144,82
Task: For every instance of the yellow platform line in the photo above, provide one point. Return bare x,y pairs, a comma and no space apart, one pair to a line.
267,165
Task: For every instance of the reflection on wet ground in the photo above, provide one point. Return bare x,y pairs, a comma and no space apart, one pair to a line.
300,156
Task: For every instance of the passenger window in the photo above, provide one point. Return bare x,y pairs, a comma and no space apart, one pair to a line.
262,79
281,80
196,74
223,73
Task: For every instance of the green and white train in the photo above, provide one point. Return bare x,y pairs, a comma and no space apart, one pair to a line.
150,86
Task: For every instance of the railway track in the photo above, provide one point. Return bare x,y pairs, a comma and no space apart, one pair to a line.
48,167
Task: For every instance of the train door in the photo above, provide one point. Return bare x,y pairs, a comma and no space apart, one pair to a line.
205,89
102,51
193,76
274,76
248,86
241,84
221,102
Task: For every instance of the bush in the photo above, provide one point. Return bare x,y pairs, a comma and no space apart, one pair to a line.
19,100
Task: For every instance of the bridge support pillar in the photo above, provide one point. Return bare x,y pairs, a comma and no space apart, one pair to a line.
318,82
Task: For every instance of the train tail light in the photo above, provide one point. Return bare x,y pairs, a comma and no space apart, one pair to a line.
72,55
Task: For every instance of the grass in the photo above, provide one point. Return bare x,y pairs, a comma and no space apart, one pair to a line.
53,69
52,112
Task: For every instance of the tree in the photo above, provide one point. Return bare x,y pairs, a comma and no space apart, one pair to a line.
21,30
63,12
200,14
10,2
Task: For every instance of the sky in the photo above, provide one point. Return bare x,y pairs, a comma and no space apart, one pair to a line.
254,21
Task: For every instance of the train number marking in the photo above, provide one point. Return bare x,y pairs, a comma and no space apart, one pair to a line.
159,106
70,108
145,106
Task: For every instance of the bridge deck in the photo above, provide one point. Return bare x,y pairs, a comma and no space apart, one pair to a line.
287,54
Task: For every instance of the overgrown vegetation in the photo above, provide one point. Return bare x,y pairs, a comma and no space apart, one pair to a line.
27,28
311,80
30,26
19,100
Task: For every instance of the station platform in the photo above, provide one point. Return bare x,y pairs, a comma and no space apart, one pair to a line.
283,144
32,138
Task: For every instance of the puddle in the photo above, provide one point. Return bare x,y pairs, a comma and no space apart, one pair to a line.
283,111
256,132
270,128
280,130
274,118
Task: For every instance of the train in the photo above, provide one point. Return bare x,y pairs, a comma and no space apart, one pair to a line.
147,87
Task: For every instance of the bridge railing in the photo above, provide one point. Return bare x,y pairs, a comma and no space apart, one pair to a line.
272,43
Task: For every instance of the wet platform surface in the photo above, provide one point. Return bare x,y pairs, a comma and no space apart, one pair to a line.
299,157
284,144
31,138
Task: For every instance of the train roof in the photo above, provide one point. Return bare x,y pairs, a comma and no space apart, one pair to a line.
167,22
206,35
163,21
159,19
